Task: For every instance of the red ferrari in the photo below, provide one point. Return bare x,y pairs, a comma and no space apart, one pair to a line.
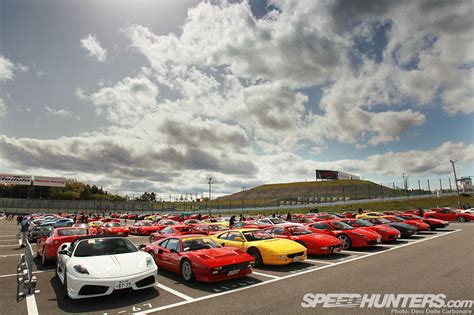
47,247
249,225
388,233
174,230
144,227
211,229
92,230
113,228
350,237
432,222
165,223
420,225
448,215
316,243
199,257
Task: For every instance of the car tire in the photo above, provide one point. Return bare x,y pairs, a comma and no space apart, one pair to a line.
255,253
65,290
187,271
346,241
462,219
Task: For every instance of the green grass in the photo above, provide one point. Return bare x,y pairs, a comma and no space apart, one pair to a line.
311,184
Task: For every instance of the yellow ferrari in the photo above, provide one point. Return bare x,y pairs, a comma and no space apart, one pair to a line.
265,248
216,221
96,224
369,215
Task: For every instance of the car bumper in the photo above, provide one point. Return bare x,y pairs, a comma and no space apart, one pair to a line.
324,250
366,242
283,259
79,288
207,276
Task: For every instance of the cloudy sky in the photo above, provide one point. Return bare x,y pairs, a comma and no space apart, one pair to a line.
159,95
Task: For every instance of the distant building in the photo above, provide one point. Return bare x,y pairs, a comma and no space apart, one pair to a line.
466,183
334,175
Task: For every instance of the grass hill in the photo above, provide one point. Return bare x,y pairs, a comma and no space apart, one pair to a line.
321,191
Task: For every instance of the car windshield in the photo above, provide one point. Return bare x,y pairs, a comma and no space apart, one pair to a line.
277,220
298,230
186,229
114,224
217,227
82,225
146,223
383,221
71,232
397,219
197,243
104,246
341,226
192,221
363,223
256,236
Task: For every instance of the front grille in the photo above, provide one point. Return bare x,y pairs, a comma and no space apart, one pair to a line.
371,242
93,289
295,254
241,266
146,281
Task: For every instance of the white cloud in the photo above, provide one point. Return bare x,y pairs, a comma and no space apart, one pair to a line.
93,47
8,68
61,113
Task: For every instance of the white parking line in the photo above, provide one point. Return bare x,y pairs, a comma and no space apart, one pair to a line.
31,305
319,261
8,240
34,272
10,245
181,295
264,275
206,297
3,256
354,252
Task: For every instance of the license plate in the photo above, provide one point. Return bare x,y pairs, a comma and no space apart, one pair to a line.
122,284
336,250
379,240
233,272
297,258
119,233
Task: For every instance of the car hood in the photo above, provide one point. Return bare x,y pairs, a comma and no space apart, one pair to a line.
320,239
279,246
221,256
403,226
110,266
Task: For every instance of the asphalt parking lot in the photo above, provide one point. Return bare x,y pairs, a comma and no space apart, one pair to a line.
431,262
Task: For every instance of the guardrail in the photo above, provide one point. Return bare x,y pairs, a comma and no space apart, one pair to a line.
26,281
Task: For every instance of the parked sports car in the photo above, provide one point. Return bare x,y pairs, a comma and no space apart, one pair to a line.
263,247
350,237
96,266
432,222
448,215
405,230
316,244
191,221
249,225
370,215
301,220
174,230
56,223
92,230
143,227
47,247
199,257
38,232
420,225
210,229
271,221
113,228
388,233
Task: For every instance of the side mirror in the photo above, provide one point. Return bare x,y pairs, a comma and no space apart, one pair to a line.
64,252
238,239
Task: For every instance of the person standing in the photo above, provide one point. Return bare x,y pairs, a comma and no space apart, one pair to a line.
232,221
24,229
288,217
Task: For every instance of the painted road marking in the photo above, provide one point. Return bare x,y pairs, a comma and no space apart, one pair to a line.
172,291
319,261
3,256
173,305
264,275
31,305
34,272
355,252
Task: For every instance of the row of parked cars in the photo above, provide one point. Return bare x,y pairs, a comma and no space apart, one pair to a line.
96,258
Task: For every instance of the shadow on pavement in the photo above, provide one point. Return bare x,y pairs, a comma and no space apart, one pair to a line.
118,299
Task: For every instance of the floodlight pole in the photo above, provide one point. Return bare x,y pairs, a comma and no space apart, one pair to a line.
456,181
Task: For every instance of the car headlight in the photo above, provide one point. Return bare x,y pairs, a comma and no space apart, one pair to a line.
149,262
81,269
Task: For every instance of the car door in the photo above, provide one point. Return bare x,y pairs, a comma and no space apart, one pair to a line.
232,240
322,228
173,257
160,258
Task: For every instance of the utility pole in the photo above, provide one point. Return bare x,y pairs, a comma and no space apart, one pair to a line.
456,181
210,187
